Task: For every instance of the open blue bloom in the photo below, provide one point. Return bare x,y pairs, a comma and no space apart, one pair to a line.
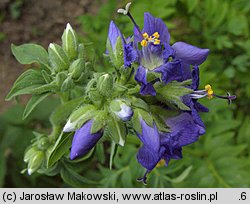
84,141
158,145
156,55
129,54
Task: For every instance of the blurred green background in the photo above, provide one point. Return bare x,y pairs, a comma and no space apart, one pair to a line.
221,158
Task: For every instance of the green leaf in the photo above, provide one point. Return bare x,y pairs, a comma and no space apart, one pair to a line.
112,154
74,179
26,83
172,93
116,130
63,111
30,53
61,147
33,102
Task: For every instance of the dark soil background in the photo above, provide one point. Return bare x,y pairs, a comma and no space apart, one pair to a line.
34,21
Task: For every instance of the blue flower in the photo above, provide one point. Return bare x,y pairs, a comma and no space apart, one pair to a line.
156,55
84,141
158,145
129,54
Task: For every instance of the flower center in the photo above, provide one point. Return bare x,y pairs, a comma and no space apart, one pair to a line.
152,38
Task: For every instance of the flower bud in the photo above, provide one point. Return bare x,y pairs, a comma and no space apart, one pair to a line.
43,143
105,84
30,154
35,162
77,68
115,45
67,84
58,58
70,42
121,109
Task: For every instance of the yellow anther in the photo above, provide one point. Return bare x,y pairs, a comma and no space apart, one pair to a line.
157,42
144,43
156,35
210,91
161,163
145,35
208,87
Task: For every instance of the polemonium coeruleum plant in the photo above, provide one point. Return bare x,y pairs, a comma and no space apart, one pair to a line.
152,93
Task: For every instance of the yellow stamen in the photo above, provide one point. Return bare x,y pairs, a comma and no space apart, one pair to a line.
144,43
157,42
145,35
161,163
156,35
150,38
209,90
208,87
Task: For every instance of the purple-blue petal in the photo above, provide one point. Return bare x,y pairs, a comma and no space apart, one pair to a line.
130,54
147,89
113,34
141,75
190,54
184,129
152,25
84,141
195,78
170,71
149,154
188,101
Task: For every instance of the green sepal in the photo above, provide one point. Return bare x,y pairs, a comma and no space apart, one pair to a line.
46,76
58,58
116,55
35,162
30,153
99,121
119,53
172,93
160,115
67,84
140,114
82,115
116,129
